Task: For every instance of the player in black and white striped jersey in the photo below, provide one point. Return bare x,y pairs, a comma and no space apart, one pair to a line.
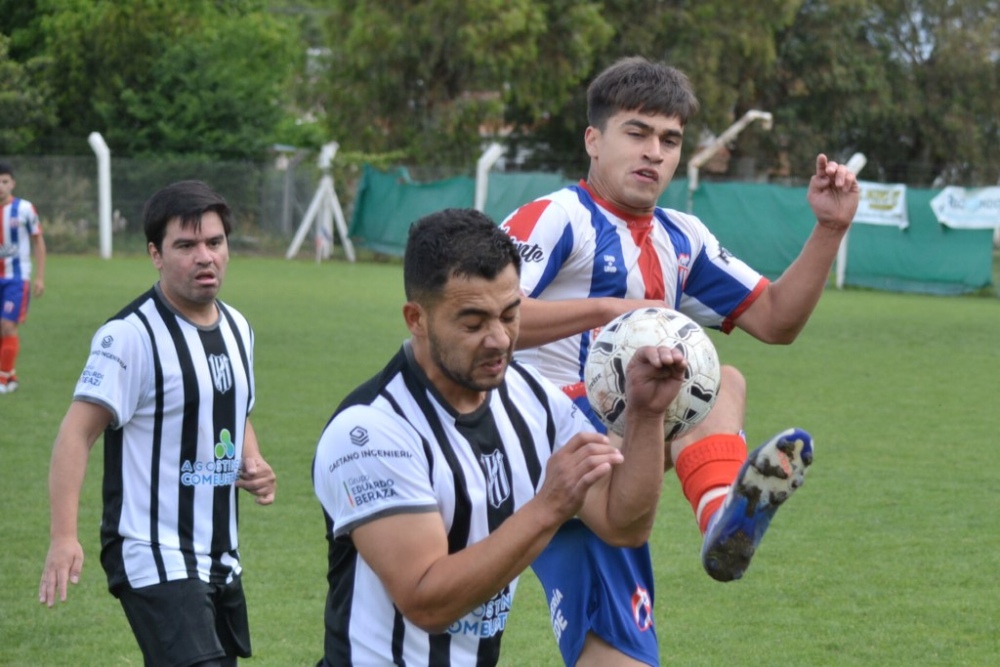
447,473
169,381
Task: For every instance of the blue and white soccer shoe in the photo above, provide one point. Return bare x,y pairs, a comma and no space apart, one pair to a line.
767,478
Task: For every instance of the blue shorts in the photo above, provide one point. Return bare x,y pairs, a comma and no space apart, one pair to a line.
14,298
594,587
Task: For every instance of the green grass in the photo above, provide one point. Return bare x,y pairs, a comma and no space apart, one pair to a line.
888,556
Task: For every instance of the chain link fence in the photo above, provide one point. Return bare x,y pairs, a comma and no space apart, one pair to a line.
269,199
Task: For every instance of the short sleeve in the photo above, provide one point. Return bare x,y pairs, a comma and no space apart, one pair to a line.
370,464
117,372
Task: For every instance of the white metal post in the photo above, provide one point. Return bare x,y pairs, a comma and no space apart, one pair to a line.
100,148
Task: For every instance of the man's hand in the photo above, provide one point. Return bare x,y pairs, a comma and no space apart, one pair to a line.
62,567
570,473
833,194
257,477
653,379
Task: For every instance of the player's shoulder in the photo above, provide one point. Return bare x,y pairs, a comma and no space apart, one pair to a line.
237,317
356,426
121,339
552,205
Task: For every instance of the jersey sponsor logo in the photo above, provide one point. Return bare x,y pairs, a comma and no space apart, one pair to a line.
107,341
364,490
530,254
90,377
497,484
559,622
8,250
367,454
519,228
642,609
724,254
108,355
359,436
486,620
223,470
609,264
222,372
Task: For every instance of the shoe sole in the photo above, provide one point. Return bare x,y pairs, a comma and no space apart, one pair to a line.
767,479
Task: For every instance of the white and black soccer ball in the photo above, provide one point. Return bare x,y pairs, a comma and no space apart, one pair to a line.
613,347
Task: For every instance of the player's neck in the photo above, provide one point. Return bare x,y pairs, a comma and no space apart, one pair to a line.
630,216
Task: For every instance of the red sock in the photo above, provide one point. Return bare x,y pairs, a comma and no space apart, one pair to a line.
9,347
706,465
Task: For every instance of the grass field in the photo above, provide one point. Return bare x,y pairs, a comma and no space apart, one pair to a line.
889,555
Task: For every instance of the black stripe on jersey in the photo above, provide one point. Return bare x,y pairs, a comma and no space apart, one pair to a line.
342,563
155,449
527,444
391,400
111,541
244,357
223,417
398,635
188,436
481,432
461,525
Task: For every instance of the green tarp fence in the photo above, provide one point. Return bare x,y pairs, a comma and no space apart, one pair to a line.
763,224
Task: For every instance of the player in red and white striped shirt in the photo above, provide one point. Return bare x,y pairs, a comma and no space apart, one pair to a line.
20,238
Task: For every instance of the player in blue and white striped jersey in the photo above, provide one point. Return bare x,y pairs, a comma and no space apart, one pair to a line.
444,476
169,381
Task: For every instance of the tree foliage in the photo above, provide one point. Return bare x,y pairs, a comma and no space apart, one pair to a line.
428,75
914,84
25,104
200,77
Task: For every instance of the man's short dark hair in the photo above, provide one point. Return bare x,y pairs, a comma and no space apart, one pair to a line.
6,169
454,242
187,200
637,84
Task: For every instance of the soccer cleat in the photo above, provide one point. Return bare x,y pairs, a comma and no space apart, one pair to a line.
767,478
8,384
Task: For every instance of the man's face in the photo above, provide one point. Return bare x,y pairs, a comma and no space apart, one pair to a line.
471,332
192,264
634,158
6,187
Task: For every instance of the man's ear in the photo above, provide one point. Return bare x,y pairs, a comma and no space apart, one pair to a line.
416,319
154,255
590,137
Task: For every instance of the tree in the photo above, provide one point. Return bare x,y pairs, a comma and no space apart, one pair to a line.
202,77
943,123
25,103
726,49
430,76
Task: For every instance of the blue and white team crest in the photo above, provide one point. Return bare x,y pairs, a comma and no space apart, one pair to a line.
222,372
497,484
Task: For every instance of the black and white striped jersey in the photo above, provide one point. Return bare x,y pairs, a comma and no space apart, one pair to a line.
395,446
180,395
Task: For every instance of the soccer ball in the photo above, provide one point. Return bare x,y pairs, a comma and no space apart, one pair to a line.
613,347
